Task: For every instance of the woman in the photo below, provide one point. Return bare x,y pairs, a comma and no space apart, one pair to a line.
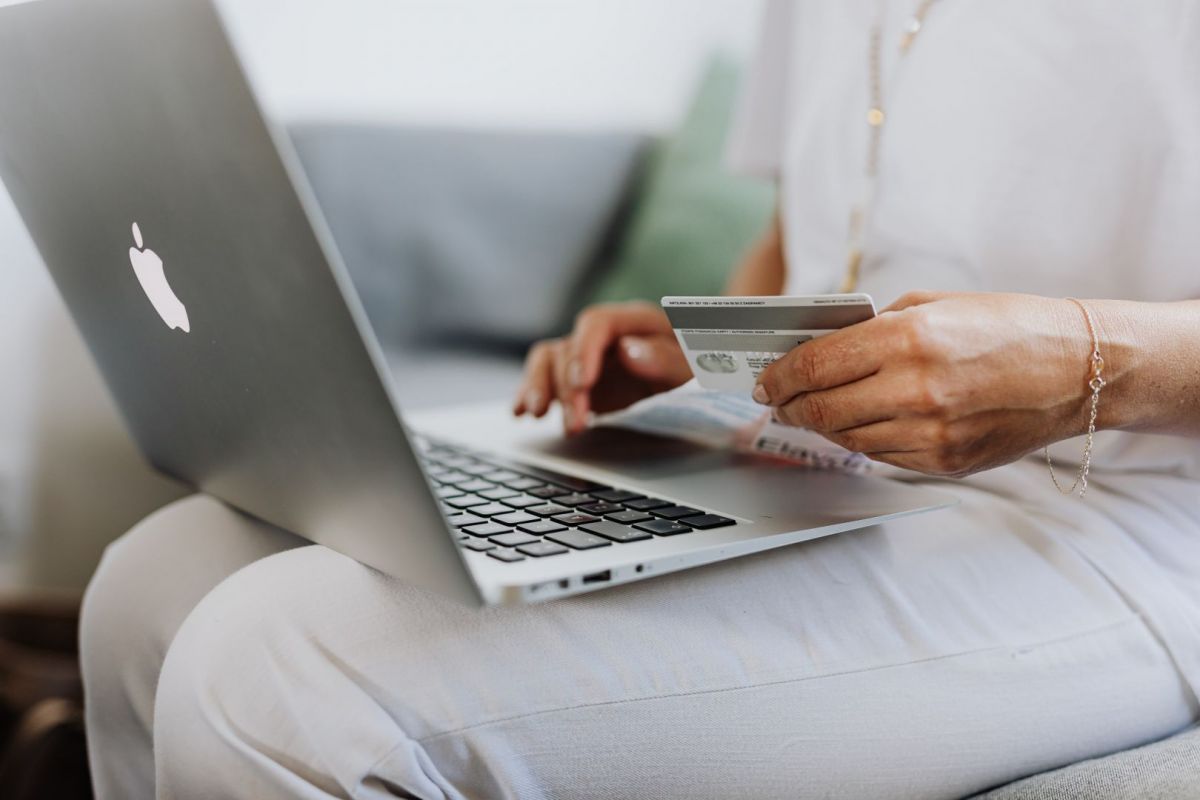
1051,149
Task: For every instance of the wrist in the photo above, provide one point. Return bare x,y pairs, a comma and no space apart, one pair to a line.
1123,403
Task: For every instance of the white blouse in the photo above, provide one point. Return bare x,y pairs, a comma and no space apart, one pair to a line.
1041,146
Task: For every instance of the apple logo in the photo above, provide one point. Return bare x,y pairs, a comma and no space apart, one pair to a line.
149,270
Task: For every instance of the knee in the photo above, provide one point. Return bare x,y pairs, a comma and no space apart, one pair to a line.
149,581
252,695
125,622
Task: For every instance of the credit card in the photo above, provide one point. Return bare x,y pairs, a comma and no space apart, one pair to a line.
729,341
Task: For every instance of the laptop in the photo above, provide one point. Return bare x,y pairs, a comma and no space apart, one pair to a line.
194,259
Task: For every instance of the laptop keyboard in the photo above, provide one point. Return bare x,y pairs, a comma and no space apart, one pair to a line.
514,512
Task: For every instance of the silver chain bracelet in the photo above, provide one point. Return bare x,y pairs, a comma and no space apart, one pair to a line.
1096,383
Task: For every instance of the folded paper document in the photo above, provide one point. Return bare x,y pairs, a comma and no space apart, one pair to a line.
733,421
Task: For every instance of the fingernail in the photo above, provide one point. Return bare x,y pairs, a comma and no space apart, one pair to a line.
575,374
635,350
760,395
533,400
568,417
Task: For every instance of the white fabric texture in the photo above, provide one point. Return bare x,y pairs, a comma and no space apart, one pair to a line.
1031,145
1043,147
933,657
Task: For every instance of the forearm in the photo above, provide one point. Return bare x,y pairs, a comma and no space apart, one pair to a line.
762,270
1151,357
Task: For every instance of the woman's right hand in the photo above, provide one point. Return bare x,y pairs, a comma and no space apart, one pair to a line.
617,354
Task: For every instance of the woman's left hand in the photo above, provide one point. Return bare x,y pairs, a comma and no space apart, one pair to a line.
945,384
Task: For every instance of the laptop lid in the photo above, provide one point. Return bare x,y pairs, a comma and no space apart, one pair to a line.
192,257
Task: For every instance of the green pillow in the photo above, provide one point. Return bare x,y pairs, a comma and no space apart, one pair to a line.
693,220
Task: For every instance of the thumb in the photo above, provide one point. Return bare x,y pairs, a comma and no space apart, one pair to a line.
653,358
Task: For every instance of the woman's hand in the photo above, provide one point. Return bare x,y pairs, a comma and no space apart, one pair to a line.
618,354
945,384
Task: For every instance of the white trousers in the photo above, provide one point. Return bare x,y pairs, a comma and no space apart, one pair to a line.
933,657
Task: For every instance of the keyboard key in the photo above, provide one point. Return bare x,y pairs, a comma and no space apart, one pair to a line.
541,526
542,549
523,484
474,485
456,461
446,492
515,518
616,495
499,493
454,477
673,512
547,492
578,484
462,539
575,499
491,510
568,482
662,527
646,503
478,468
500,476
618,533
708,521
600,509
508,556
523,501
480,545
548,510
465,501
487,529
575,519
579,540
629,517
463,520
514,539
434,470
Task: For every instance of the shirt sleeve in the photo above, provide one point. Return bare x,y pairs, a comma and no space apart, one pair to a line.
758,137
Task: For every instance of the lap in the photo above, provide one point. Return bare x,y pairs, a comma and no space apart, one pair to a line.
936,655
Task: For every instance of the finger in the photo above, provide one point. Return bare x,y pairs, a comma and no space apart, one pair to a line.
599,327
574,403
924,445
657,359
832,360
887,437
917,298
559,389
536,387
875,398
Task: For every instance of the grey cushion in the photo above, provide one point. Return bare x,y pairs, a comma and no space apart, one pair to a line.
1166,770
453,233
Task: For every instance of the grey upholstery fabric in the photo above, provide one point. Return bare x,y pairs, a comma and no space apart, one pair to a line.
1166,770
428,377
461,233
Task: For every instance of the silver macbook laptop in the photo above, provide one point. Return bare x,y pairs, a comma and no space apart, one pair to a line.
193,258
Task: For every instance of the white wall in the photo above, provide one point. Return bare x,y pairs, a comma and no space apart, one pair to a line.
558,63
25,295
